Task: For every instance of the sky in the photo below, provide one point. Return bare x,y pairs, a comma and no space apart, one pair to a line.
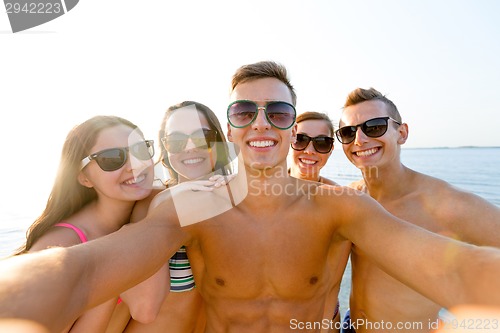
437,60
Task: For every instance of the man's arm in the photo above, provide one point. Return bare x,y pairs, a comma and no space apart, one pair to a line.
440,268
145,299
54,286
470,218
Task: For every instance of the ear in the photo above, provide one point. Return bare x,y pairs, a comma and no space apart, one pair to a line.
403,133
84,181
229,134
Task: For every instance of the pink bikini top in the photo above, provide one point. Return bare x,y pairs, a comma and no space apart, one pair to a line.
78,231
80,234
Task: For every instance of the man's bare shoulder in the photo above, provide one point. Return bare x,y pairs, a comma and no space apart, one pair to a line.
450,204
340,200
359,185
439,191
327,181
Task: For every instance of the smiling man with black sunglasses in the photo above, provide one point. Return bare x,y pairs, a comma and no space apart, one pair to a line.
372,132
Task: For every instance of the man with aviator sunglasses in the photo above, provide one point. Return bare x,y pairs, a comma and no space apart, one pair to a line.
273,256
372,132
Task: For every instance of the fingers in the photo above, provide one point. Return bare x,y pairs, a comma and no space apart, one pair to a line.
220,180
196,188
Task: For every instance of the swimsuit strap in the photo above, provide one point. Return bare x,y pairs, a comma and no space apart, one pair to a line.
78,231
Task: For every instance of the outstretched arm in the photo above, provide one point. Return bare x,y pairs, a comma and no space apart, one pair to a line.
144,300
447,271
54,286
470,218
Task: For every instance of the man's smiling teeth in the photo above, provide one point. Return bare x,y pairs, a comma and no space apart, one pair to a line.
366,152
261,144
136,180
310,162
193,160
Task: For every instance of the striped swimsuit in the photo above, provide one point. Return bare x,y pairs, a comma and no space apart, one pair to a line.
181,275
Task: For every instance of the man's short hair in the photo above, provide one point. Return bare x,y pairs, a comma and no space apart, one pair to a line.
360,95
260,70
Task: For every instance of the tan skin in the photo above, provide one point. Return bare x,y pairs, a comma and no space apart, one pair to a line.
53,287
107,214
414,197
306,164
64,279
180,311
253,262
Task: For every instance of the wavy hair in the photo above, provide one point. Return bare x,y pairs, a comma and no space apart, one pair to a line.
68,196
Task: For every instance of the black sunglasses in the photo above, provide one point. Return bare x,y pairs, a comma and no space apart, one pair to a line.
177,142
373,128
322,144
114,158
243,112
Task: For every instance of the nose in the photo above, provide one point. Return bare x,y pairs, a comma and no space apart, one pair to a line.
360,137
190,144
310,148
261,122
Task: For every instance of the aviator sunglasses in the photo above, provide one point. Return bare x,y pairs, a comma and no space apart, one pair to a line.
373,128
114,158
322,144
177,142
279,114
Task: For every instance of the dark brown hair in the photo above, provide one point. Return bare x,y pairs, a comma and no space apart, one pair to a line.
222,164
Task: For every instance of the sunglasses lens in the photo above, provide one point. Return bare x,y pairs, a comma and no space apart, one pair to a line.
375,128
210,137
111,159
346,134
241,113
174,143
323,144
280,114
301,142
203,139
143,150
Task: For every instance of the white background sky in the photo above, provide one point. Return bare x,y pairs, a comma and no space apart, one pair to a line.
438,60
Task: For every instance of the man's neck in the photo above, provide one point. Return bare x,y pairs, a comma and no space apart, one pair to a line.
260,183
387,183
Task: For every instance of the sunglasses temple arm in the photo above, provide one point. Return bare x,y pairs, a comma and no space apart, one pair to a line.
84,163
